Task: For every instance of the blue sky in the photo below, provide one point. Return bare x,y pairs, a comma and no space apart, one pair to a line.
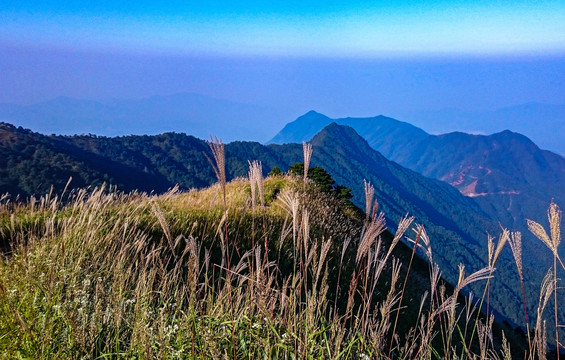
290,28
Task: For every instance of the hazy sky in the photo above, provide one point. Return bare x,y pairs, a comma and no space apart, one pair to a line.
342,58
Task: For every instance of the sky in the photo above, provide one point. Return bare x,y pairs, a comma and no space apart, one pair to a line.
342,58
290,27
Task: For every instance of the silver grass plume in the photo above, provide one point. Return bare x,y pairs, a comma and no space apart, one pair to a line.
403,225
252,184
369,193
344,247
256,181
369,236
218,151
307,150
515,243
545,294
164,226
494,253
291,205
305,229
323,254
482,274
424,244
554,218
450,304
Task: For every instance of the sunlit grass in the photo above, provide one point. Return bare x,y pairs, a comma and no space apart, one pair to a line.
101,274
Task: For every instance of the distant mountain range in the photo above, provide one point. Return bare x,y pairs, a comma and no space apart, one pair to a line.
31,163
543,123
201,115
196,114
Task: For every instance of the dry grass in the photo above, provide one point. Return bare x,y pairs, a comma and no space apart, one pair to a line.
110,275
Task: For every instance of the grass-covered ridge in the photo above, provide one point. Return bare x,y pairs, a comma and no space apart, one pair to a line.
279,270
112,273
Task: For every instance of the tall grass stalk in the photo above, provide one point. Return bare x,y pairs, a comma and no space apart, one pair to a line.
554,220
256,183
418,235
515,243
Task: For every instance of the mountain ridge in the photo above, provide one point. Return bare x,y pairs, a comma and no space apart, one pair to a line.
478,165
538,121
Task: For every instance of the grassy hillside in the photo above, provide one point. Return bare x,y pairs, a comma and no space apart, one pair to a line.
276,270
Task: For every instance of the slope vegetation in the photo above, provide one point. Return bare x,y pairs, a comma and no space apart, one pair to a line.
277,270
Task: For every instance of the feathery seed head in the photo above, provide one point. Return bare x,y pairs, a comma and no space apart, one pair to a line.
369,193
494,253
307,150
369,236
256,181
482,274
218,151
538,230
545,292
554,217
515,243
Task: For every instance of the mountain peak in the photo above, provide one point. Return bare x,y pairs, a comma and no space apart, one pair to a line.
338,136
510,141
301,129
334,130
313,113
508,134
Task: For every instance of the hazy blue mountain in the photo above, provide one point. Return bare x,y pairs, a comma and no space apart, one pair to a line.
302,129
448,215
192,113
543,123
